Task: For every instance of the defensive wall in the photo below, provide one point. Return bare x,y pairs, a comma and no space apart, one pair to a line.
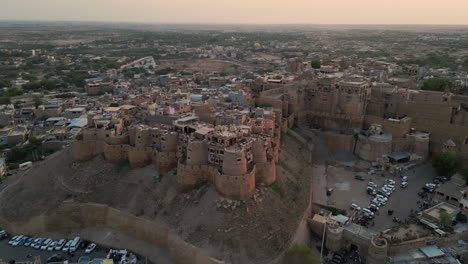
366,242
330,121
232,186
136,156
369,244
440,132
76,216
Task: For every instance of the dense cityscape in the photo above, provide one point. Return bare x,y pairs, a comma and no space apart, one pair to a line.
141,143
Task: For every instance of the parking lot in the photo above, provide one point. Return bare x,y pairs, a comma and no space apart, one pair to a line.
22,253
348,190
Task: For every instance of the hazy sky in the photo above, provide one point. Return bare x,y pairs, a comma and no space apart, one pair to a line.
242,11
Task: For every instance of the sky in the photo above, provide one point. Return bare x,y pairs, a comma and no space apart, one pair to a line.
241,11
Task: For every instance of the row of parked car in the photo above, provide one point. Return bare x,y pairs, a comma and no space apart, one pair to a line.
64,245
381,196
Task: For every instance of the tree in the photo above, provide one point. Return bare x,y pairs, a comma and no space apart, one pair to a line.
437,84
37,101
315,64
5,100
4,83
445,163
465,174
300,254
445,220
461,217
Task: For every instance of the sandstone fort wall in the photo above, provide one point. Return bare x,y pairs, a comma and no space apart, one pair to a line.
72,216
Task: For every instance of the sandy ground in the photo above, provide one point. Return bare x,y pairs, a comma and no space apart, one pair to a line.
251,231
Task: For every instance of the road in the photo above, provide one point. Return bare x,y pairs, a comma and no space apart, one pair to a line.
20,253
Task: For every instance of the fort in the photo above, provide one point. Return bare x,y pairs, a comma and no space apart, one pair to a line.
234,158
346,112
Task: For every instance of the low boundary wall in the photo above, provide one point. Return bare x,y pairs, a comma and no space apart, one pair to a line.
70,216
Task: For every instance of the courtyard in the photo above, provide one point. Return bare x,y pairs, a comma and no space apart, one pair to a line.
347,190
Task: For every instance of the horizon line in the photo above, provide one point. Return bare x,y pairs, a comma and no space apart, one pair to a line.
224,23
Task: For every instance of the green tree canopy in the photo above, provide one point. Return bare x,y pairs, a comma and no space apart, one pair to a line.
445,219
4,83
315,64
300,254
445,163
465,174
437,84
37,101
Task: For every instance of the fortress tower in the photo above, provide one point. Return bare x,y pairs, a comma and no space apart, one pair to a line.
334,236
377,252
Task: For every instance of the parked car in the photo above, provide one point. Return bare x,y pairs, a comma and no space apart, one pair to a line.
329,191
367,211
28,242
371,184
359,177
371,191
23,240
90,248
404,178
390,181
374,208
38,243
13,239
3,234
404,184
46,244
429,187
52,246
66,248
60,244
381,197
17,240
55,258
355,207
441,178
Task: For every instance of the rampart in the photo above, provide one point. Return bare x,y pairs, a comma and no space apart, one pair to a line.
232,186
75,216
136,156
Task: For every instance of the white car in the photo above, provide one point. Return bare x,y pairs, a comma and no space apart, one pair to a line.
381,197
90,248
12,240
66,248
17,240
355,207
367,211
60,244
390,181
46,244
381,201
52,246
